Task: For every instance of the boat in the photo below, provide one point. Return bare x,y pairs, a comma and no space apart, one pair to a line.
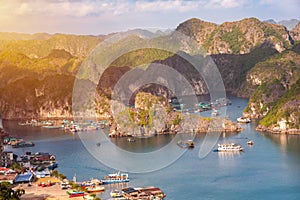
250,142
243,120
91,183
229,147
214,113
187,144
75,193
52,127
65,186
52,166
115,194
91,189
130,140
22,144
115,178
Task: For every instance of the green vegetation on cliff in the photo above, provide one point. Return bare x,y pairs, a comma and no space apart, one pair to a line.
286,107
141,57
37,71
236,37
79,46
276,95
262,100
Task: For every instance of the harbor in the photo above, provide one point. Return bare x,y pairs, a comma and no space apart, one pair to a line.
245,169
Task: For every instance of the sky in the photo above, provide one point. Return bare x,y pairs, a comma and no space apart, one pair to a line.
97,17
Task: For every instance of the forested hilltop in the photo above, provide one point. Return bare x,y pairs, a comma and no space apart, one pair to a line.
257,60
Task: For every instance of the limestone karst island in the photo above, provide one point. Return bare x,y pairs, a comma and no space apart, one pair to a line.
203,105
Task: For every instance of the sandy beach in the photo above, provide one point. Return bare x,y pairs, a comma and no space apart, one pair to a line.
54,192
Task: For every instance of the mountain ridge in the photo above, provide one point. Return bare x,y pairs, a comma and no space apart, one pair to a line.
238,48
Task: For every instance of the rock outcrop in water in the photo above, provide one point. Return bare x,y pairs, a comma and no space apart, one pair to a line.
153,115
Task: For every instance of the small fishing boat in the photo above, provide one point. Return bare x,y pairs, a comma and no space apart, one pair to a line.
229,147
214,113
130,140
91,189
52,127
22,144
75,193
243,120
187,144
250,142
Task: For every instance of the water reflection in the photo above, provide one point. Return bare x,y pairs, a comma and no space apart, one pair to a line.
111,187
228,154
138,144
285,142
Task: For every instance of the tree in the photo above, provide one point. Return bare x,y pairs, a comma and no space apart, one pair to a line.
7,193
55,173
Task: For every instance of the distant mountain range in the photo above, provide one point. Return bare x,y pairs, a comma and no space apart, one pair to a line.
289,24
37,71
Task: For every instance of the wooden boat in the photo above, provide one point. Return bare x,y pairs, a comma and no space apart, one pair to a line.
187,144
22,144
75,193
130,140
95,189
214,113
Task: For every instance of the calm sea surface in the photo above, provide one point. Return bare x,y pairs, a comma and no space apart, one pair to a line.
270,169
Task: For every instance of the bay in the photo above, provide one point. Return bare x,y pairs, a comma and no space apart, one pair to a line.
270,169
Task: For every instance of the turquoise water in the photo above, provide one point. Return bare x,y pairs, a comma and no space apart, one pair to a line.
270,169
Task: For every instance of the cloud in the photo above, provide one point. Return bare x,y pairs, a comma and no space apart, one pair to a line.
82,8
98,16
78,8
169,5
216,4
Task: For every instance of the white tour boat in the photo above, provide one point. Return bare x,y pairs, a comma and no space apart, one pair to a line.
229,147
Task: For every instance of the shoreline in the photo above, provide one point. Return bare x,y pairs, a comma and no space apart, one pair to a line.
274,130
278,131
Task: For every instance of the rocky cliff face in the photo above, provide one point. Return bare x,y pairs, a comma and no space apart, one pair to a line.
153,115
295,33
238,37
276,95
37,71
285,114
40,45
32,98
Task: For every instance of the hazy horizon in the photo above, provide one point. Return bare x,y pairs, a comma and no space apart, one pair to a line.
95,17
